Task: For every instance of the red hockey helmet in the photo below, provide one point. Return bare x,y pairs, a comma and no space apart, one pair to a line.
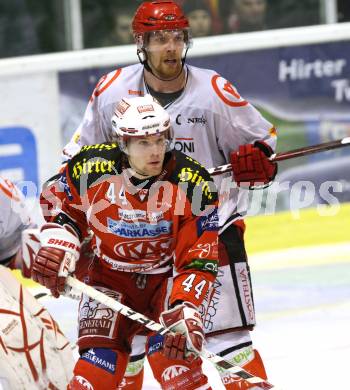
159,15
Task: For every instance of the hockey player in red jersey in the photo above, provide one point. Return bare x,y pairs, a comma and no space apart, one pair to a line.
215,126
151,211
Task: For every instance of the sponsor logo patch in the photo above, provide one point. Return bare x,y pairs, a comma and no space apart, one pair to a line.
140,230
193,176
145,108
132,215
245,287
84,382
201,120
135,93
99,147
65,186
101,357
194,120
208,222
122,107
204,265
142,249
93,165
173,371
155,344
95,319
63,243
185,145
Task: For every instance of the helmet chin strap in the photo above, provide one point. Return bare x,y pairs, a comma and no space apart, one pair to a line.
144,61
141,174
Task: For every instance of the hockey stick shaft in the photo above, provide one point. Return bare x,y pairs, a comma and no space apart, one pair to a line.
156,327
291,154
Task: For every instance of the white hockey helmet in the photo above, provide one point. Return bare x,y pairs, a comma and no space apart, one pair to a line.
140,117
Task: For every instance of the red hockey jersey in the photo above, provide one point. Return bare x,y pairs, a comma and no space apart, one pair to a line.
146,226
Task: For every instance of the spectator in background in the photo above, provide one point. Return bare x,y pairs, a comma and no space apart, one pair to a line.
108,22
17,29
343,10
199,17
121,32
291,13
247,15
214,7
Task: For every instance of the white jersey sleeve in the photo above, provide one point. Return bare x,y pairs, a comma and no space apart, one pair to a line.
210,120
96,125
237,121
14,218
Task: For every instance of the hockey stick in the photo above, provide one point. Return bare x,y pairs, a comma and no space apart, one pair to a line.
156,327
290,154
69,294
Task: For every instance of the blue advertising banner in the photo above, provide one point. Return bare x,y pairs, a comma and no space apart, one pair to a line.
19,153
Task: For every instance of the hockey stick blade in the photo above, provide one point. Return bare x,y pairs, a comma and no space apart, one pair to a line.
156,327
291,154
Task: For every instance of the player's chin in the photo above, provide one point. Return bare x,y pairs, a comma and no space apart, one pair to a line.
169,72
154,170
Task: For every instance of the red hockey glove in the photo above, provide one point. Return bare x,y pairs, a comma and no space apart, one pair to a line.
186,323
56,258
251,164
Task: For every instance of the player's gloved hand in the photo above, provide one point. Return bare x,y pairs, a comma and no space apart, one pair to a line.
29,249
56,258
251,165
188,337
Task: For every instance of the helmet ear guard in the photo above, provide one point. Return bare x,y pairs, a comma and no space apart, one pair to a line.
142,55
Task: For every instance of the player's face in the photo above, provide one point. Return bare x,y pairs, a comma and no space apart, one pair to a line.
146,154
200,22
164,50
251,11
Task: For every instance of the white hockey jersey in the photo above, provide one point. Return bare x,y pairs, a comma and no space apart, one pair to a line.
13,218
210,119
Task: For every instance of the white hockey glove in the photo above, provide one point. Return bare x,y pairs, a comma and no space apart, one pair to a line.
188,337
29,250
56,258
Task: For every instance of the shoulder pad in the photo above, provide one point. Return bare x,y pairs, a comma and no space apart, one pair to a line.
92,162
226,92
190,171
104,82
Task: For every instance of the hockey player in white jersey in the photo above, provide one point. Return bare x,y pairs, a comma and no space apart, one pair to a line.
34,354
215,125
14,218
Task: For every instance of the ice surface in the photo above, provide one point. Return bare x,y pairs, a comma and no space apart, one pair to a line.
303,315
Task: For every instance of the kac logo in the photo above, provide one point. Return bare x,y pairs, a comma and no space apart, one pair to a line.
19,153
